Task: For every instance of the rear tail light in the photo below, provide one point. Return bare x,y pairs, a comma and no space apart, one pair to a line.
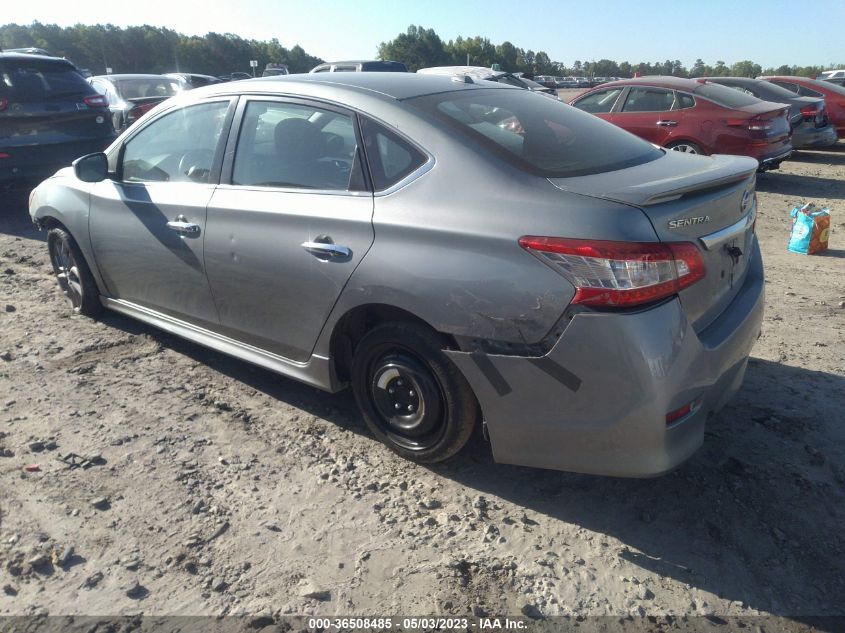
684,411
810,110
754,124
3,104
4,155
619,274
95,101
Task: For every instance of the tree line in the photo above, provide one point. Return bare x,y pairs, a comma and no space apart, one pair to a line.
150,49
419,47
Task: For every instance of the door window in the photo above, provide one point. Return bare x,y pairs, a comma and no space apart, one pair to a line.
177,147
391,157
296,146
684,101
600,102
788,85
648,100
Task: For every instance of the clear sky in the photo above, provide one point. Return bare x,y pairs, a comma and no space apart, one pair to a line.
769,32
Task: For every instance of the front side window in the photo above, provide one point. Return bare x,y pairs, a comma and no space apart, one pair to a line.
648,100
177,147
600,102
536,134
296,146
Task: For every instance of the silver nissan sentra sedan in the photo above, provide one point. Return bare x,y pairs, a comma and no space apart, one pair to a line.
458,252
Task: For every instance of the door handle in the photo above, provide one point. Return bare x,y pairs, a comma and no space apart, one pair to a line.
667,123
327,248
181,225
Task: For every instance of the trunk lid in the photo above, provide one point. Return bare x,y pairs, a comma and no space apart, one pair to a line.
709,201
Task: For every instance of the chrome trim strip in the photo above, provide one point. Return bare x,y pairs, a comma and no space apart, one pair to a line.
315,372
729,233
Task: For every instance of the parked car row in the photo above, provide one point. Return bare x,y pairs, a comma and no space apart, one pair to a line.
722,115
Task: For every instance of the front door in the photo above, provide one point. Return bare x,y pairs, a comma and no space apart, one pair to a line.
148,223
647,112
289,226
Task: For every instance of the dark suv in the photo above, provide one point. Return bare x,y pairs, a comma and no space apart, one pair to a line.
49,115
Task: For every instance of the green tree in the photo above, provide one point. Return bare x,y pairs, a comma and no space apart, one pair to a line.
418,48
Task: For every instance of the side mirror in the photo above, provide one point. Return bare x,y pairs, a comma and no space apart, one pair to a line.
92,167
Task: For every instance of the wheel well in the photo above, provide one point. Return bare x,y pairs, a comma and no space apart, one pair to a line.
353,325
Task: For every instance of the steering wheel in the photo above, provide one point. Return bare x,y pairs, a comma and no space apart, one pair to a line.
196,164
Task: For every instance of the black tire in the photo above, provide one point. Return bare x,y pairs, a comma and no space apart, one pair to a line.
73,274
689,148
401,367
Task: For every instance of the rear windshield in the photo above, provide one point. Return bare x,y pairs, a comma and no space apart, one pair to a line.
827,86
536,133
38,79
142,87
725,96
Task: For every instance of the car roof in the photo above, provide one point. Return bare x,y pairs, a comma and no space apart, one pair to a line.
27,57
480,72
130,76
661,81
395,85
362,61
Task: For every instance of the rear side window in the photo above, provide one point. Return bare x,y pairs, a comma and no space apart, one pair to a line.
537,134
600,102
806,92
391,157
37,80
725,96
648,100
684,101
290,145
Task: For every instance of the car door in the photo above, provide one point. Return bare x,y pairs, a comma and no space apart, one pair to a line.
647,113
289,223
147,223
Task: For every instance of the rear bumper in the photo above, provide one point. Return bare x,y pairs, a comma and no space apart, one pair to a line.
811,137
36,162
597,402
773,161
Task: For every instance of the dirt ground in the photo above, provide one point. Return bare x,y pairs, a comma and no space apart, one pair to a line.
214,487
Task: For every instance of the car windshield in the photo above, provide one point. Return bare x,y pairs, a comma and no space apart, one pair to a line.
725,96
36,80
539,135
143,87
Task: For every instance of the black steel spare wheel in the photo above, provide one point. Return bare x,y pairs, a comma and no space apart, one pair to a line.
411,395
407,399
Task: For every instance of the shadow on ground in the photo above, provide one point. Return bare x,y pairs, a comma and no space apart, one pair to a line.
752,518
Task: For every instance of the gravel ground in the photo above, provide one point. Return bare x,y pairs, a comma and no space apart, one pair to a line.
214,487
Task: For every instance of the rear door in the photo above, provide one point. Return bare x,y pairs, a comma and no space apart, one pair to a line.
647,112
289,223
148,223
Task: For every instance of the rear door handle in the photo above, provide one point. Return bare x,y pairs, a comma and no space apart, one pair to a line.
667,123
181,225
327,248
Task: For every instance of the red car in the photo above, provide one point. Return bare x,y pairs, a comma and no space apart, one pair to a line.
833,95
694,116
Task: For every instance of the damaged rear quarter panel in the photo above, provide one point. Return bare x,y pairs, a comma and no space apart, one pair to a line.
446,249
